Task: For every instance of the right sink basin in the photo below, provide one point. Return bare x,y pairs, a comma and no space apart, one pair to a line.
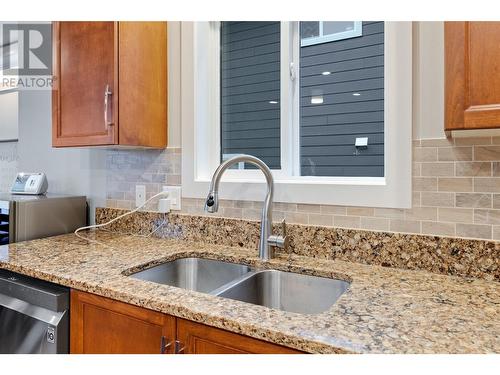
286,291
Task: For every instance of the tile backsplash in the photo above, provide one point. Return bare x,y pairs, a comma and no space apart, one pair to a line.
456,191
9,159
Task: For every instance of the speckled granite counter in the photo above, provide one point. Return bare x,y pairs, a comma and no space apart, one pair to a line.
385,310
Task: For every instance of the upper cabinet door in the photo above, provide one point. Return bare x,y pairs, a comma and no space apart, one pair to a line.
85,94
472,75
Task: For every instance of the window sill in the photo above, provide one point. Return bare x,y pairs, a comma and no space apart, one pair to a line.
370,192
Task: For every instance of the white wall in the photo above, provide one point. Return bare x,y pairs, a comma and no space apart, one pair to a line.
428,80
70,170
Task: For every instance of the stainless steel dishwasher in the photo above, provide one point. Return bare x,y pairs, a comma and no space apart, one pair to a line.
34,315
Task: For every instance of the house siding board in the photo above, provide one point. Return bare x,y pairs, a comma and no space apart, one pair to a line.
250,59
328,130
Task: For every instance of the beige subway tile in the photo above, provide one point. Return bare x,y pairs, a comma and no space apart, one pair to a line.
309,208
496,200
495,140
472,141
483,216
278,216
487,185
110,203
346,221
455,215
487,153
405,226
495,169
391,213
472,169
438,228
360,211
193,201
425,154
473,200
455,153
374,223
289,207
334,210
174,179
319,219
438,142
416,169
296,217
231,212
438,169
416,200
226,203
126,205
421,213
117,195
457,184
424,183
244,204
496,232
437,199
253,214
474,231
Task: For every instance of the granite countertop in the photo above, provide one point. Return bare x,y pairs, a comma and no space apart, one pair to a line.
385,310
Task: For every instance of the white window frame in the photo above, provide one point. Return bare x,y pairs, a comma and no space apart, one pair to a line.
200,45
322,38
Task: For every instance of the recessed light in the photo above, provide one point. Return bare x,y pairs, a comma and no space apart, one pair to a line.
317,99
356,94
326,73
273,102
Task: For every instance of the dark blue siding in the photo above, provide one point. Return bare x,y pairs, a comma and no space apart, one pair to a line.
328,130
250,79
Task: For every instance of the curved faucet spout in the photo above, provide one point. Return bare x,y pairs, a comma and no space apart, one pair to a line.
212,201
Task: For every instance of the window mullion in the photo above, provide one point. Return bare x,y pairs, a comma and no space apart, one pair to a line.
295,99
285,102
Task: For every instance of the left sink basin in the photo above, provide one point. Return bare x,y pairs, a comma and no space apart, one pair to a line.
201,275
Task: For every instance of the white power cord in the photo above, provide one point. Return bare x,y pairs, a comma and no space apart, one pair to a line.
95,226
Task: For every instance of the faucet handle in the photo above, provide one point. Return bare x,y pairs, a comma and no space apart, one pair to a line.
279,241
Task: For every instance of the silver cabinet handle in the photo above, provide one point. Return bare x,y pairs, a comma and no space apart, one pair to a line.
107,94
164,345
179,348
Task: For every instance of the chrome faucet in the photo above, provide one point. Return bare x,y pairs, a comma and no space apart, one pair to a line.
267,241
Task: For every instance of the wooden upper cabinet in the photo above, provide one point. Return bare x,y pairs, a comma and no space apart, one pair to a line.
472,75
110,84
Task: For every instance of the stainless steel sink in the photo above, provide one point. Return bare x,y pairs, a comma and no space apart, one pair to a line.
286,291
274,289
202,275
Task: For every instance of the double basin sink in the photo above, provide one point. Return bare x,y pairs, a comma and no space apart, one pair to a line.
279,290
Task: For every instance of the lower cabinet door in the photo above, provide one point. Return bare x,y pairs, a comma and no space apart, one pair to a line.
195,338
103,326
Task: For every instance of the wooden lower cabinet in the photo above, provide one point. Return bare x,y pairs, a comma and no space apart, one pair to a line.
104,326
196,338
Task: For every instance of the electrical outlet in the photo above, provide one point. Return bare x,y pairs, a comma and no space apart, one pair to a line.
140,195
174,193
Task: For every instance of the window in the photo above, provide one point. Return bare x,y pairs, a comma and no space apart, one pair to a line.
341,89
328,31
303,106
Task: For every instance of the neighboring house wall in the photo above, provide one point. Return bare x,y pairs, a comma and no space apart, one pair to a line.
250,79
328,130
